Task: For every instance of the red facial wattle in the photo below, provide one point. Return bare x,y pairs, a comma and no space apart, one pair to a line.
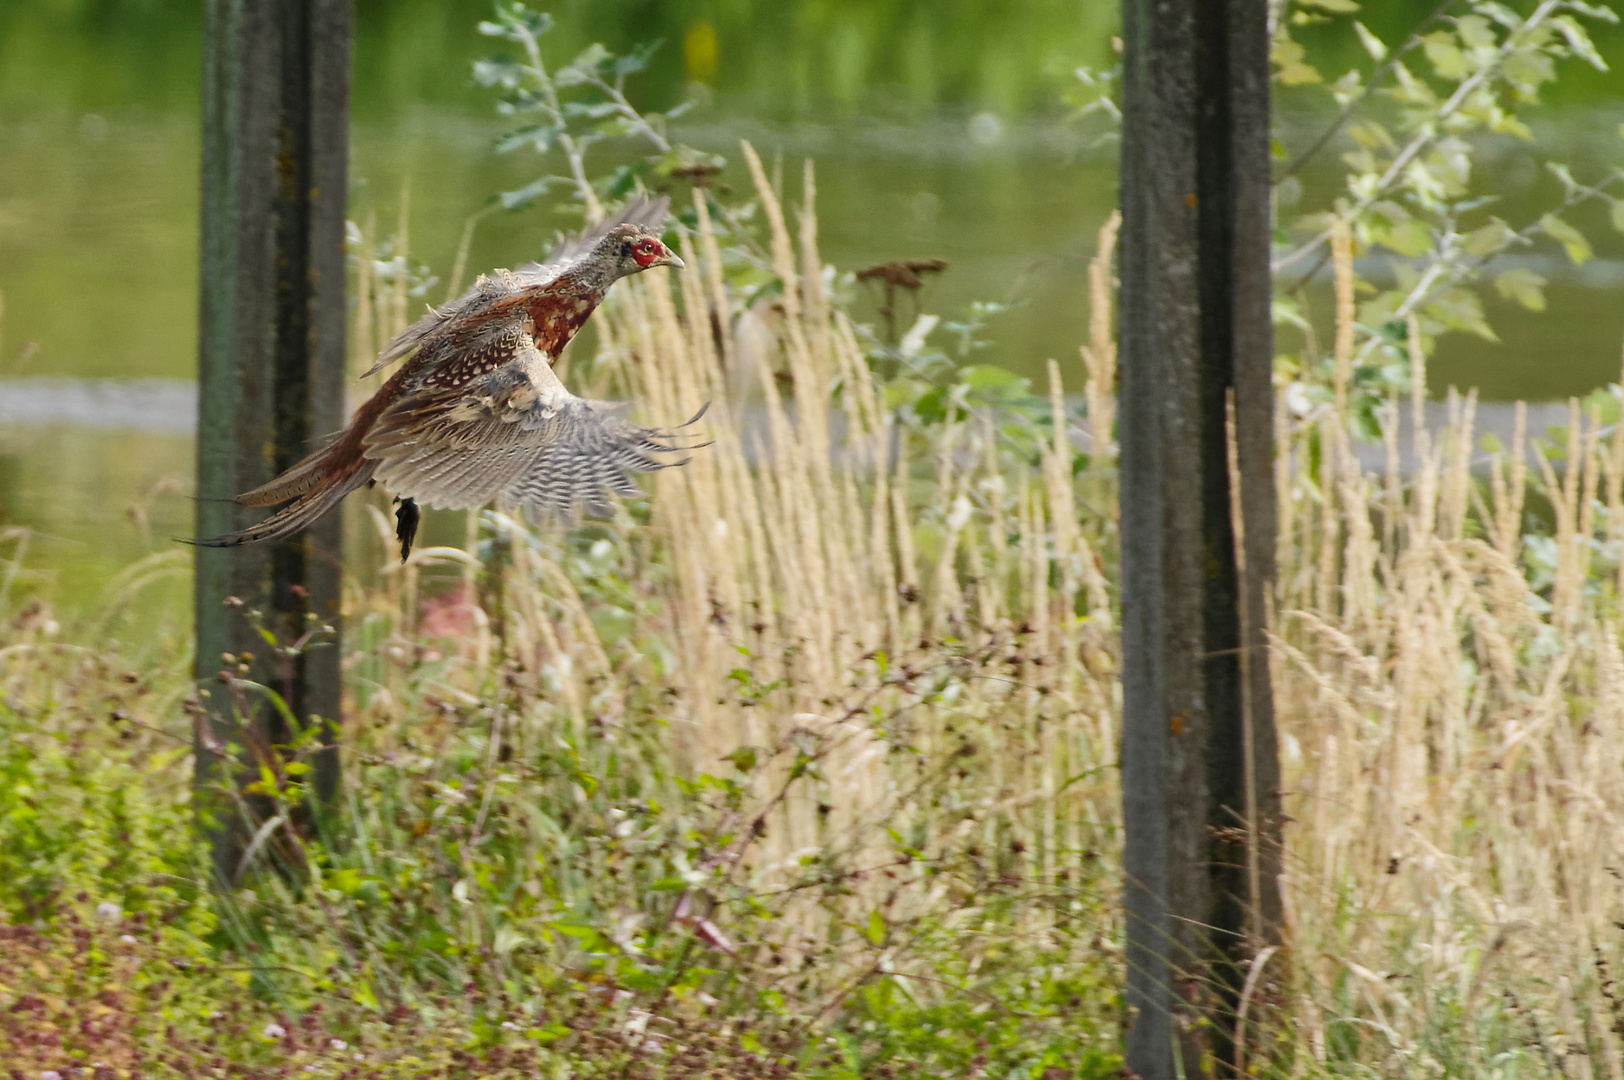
648,252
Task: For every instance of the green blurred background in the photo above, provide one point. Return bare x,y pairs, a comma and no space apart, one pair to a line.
938,127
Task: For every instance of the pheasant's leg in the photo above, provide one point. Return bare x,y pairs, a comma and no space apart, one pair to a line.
407,515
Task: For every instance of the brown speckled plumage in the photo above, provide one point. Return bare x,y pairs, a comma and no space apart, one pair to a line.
475,413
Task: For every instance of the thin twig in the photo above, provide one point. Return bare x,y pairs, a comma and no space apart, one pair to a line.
1376,77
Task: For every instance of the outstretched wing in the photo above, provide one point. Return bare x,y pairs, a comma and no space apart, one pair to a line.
517,434
428,334
591,456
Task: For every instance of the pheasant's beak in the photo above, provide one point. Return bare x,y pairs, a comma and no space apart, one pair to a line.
668,258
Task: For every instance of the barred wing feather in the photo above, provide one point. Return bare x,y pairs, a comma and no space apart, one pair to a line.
588,461
517,434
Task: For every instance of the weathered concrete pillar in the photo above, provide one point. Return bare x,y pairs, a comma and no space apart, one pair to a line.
271,354
1199,773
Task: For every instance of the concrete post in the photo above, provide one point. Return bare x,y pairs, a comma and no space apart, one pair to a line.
1199,773
271,356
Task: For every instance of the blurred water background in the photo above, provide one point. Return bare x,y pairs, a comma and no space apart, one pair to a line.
939,129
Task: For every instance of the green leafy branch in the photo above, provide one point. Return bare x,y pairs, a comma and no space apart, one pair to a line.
1410,188
582,103
1491,76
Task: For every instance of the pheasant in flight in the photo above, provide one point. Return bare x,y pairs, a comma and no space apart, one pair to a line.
476,412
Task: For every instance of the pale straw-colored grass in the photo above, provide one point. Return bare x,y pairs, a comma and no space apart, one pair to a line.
912,632
916,634
1452,708
829,562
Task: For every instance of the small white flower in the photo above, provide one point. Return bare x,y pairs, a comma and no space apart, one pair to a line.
273,1030
50,1074
107,909
340,1044
128,939
511,1026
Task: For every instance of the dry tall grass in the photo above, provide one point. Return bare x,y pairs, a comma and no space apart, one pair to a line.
1451,694
902,644
937,619
906,632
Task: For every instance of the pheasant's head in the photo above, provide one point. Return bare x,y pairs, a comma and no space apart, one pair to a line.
633,248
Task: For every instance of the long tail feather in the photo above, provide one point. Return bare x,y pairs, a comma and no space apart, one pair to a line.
295,481
300,514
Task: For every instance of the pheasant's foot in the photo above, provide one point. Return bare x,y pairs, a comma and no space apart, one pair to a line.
407,516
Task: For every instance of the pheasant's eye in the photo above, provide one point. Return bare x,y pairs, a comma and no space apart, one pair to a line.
649,252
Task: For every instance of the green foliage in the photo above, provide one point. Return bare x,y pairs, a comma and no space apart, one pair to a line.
581,103
71,820
566,112
533,889
1412,125
928,385
786,59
